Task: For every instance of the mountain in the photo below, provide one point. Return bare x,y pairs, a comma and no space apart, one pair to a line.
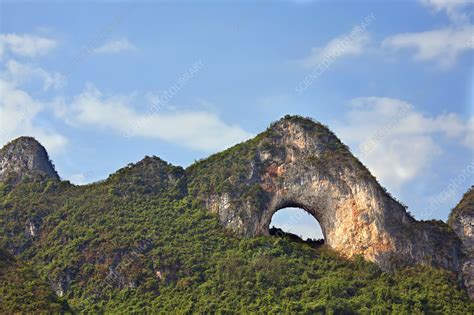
154,237
461,220
300,163
24,158
22,291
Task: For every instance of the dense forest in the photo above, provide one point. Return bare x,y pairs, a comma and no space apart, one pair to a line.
141,241
137,243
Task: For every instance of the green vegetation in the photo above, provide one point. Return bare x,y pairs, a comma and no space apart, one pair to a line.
169,255
22,291
140,242
466,203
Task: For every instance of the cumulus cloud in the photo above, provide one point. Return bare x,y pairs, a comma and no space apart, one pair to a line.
442,46
338,47
80,179
20,73
452,8
198,130
25,45
18,111
386,131
115,46
468,140
297,221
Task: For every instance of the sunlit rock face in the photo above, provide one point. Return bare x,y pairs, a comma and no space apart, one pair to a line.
25,158
300,163
296,162
461,221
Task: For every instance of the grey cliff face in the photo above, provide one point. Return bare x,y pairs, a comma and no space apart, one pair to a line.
295,163
25,157
461,221
300,163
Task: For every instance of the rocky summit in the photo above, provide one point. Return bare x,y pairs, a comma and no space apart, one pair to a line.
150,227
25,157
300,163
461,220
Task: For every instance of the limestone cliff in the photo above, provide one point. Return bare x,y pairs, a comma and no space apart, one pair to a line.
462,222
300,163
24,158
296,162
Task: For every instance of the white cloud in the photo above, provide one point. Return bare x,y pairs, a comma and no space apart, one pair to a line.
386,131
452,8
468,140
115,46
346,45
199,130
19,73
79,179
443,46
25,45
18,111
297,221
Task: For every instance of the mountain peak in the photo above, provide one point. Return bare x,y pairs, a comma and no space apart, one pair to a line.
295,126
291,120
25,157
461,221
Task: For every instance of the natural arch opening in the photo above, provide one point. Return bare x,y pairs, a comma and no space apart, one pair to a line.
296,224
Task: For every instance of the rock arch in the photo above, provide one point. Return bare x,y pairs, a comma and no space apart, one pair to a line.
292,205
321,177
295,162
299,162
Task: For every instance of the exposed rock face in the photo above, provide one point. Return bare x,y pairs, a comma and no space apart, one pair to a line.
61,285
295,163
300,163
462,222
25,157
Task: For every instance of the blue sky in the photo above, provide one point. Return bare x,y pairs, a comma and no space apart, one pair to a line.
102,85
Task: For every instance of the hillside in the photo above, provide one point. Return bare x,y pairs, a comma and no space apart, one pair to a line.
142,240
461,221
22,291
25,157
